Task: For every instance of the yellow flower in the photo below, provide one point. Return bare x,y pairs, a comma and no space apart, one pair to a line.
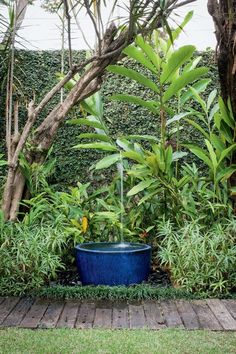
84,224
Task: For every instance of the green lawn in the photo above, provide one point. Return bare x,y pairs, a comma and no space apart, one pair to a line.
116,341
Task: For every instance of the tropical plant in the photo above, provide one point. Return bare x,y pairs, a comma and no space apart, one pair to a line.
30,255
199,260
142,17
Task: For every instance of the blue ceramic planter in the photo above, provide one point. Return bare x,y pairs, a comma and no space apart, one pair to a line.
112,263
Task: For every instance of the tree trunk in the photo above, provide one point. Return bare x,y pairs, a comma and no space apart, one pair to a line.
223,13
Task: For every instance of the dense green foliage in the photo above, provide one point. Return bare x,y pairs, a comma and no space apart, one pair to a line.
36,74
200,260
163,116
137,292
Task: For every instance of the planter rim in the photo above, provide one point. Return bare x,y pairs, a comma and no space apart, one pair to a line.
140,247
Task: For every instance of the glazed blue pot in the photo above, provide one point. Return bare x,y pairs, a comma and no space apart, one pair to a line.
113,263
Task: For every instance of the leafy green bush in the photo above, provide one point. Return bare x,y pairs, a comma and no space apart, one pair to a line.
29,256
200,260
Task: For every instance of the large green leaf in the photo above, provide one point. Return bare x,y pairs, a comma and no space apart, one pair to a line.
200,153
177,59
217,142
89,123
140,187
136,100
200,86
133,155
150,138
101,137
225,112
107,161
177,117
226,152
137,54
211,154
182,81
149,51
98,146
134,75
225,174
198,127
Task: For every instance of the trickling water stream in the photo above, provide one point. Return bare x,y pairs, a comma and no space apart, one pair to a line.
121,170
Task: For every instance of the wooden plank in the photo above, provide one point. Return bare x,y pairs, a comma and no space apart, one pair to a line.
52,314
137,316
206,318
222,314
154,317
120,316
171,315
35,314
68,315
18,313
7,306
231,307
103,314
187,314
85,315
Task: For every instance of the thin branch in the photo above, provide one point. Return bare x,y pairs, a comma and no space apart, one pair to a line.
66,7
86,3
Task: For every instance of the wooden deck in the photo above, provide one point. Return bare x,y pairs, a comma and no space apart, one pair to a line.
212,314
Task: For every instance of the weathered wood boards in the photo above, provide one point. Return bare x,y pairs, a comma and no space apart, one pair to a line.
211,314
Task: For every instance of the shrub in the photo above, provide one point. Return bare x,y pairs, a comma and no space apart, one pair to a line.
29,256
199,259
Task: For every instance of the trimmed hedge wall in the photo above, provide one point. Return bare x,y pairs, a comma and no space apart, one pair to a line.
36,74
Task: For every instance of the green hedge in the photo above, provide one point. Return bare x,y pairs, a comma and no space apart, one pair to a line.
137,292
35,73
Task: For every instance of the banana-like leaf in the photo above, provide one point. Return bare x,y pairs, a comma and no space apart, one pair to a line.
149,51
137,54
107,161
150,138
227,152
198,99
217,142
101,137
212,154
182,81
168,158
136,100
199,87
177,155
140,187
211,98
87,122
198,127
225,112
95,145
177,117
191,65
177,59
133,155
226,173
200,153
134,75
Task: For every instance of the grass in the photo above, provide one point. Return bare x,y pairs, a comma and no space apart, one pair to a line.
138,292
116,341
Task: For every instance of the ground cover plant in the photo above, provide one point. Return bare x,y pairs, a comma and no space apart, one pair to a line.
108,341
